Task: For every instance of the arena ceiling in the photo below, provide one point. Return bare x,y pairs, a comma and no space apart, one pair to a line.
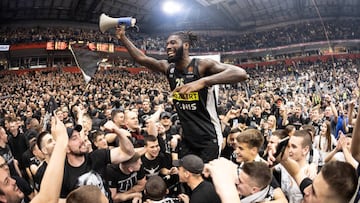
195,14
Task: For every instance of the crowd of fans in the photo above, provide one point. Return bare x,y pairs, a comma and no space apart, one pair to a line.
275,102
272,37
123,130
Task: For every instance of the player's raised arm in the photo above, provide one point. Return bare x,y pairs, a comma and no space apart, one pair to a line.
138,55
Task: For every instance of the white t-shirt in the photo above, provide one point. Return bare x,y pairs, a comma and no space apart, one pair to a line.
339,156
323,144
289,186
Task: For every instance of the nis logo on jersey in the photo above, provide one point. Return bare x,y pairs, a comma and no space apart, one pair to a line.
191,97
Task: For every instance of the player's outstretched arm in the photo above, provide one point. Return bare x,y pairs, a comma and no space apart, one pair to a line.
138,55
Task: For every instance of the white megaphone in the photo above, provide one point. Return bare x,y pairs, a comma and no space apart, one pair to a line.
107,22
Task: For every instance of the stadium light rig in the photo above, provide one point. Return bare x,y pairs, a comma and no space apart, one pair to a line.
171,7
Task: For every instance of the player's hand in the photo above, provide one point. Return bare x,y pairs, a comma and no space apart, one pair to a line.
120,32
190,87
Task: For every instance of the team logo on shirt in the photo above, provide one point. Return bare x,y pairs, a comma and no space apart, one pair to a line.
192,96
92,178
186,106
126,184
152,171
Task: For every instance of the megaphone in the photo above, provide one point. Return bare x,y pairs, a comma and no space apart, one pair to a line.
106,22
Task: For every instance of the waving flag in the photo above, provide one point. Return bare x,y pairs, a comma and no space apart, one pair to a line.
88,57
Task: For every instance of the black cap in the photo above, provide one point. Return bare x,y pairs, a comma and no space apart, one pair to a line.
71,130
191,162
165,114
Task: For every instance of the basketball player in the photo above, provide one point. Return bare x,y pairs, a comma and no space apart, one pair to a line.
192,83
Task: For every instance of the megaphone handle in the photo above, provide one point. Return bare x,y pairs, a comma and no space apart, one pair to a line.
135,27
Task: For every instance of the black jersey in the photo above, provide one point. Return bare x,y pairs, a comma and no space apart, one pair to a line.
196,110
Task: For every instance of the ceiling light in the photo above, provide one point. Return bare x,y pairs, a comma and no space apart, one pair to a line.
171,7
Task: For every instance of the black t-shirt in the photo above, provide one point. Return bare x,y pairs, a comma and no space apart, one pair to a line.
227,152
255,120
116,92
153,167
89,173
51,105
204,193
9,158
39,175
18,146
279,123
30,133
115,178
6,153
143,116
296,121
29,159
164,142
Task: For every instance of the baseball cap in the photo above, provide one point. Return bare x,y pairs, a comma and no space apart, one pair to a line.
165,114
71,130
190,162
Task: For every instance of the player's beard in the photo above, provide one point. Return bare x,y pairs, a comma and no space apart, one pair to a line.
178,55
